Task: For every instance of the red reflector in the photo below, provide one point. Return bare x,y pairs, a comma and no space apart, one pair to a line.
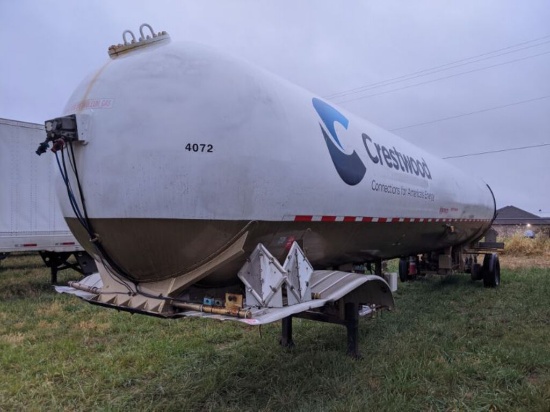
67,243
29,244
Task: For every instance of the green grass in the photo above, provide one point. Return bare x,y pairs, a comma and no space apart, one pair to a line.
450,344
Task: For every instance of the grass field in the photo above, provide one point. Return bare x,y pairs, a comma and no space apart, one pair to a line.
449,345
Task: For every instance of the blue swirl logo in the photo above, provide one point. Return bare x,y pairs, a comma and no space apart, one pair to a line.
349,166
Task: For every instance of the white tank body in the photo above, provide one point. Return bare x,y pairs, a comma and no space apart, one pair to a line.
188,147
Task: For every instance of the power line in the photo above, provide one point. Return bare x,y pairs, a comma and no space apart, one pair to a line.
437,69
444,77
424,72
432,69
497,151
470,113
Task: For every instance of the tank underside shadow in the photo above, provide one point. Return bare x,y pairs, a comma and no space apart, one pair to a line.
152,250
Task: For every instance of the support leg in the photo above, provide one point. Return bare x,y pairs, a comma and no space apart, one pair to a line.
286,336
53,270
378,267
352,326
56,261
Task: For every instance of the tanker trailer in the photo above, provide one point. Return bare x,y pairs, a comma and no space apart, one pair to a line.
205,186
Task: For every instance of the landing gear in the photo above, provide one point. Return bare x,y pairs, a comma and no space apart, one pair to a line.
57,261
286,335
350,321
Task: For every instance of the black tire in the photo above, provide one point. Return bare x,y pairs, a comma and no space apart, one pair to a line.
477,272
404,270
491,271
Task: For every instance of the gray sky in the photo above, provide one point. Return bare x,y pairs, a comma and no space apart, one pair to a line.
329,47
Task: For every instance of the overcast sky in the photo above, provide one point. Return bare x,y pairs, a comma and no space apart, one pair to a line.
395,63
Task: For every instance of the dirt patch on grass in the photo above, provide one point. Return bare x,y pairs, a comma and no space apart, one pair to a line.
533,378
92,325
14,339
55,309
45,325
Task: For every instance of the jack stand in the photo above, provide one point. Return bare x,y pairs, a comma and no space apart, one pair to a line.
286,335
352,325
351,322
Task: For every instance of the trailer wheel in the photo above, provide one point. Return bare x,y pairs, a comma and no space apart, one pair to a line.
491,271
404,270
476,272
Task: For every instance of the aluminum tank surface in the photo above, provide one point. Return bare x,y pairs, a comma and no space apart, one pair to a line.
186,148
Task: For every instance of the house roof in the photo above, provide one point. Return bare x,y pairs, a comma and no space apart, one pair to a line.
511,215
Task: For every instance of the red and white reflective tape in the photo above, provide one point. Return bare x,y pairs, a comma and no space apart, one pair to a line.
314,218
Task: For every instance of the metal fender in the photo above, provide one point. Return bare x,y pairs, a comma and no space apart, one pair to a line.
360,289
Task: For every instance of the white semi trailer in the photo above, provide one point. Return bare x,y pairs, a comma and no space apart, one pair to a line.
30,218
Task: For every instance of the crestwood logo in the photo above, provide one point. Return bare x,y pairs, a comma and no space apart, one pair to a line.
350,167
